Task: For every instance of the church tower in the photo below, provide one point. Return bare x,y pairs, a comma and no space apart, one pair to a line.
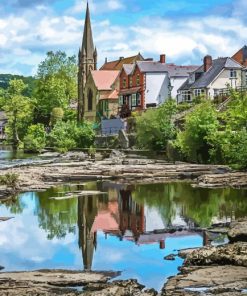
87,61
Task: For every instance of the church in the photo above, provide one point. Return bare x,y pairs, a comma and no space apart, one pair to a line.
98,90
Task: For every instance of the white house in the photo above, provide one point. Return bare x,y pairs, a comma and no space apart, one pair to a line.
212,79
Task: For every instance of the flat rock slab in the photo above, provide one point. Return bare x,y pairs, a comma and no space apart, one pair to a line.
213,280
238,231
69,283
2,219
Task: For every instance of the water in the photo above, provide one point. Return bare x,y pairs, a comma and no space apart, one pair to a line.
121,230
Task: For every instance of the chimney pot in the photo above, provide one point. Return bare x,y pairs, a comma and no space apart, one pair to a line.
207,62
162,58
105,60
121,58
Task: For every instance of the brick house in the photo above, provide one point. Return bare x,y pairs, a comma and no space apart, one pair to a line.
144,84
118,64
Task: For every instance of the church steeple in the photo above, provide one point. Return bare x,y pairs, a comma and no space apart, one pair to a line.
87,41
87,61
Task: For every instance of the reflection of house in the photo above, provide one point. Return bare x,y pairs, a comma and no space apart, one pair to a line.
101,95
131,215
212,79
3,122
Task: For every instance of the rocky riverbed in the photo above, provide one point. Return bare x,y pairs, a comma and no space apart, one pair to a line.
213,270
78,166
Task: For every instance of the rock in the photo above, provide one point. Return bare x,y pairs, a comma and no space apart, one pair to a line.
170,257
238,231
233,254
79,156
50,154
211,280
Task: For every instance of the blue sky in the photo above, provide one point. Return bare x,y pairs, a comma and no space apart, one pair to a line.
185,30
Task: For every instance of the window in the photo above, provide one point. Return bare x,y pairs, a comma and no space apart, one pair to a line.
198,92
138,79
138,99
133,100
186,96
120,100
131,81
124,83
90,100
233,73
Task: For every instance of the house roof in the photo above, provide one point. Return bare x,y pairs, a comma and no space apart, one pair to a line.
104,79
150,66
241,55
207,77
180,71
118,64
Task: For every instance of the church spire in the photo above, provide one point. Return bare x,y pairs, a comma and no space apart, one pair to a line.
87,41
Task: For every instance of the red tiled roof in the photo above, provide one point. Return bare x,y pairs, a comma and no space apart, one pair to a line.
118,64
104,79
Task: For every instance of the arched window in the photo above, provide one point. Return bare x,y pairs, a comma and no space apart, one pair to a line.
90,100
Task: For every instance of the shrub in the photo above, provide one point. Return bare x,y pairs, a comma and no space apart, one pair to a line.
155,127
70,135
35,139
10,180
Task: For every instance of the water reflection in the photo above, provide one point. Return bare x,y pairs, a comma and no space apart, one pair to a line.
124,229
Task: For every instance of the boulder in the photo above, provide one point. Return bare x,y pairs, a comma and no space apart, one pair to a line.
238,231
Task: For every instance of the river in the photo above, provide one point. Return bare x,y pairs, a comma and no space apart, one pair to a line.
120,228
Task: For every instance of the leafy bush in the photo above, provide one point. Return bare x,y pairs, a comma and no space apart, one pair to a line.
10,180
199,125
56,115
155,127
69,135
35,139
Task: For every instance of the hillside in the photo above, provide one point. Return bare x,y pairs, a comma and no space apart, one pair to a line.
5,79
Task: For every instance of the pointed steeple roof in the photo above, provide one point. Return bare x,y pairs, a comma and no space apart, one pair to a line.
87,41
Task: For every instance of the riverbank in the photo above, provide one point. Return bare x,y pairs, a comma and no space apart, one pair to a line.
130,169
213,270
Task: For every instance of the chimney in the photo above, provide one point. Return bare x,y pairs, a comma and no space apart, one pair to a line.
121,58
207,62
162,58
105,60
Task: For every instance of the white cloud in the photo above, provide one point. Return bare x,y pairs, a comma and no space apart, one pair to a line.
24,39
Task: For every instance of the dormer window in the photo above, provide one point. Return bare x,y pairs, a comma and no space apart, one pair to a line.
233,73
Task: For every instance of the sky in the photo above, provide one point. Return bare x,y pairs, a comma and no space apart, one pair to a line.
184,30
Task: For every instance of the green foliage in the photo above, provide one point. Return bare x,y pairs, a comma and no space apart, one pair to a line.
56,84
57,114
18,109
10,180
199,125
35,139
29,81
70,135
155,127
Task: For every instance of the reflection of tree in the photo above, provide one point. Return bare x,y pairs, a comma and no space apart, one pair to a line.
15,205
57,217
200,205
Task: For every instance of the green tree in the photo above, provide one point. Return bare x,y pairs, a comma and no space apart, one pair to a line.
199,125
56,84
155,127
69,135
18,109
35,139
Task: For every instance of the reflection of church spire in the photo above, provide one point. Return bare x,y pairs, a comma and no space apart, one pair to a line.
87,211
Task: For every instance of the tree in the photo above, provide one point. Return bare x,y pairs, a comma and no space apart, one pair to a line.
18,109
56,84
35,139
199,125
69,135
155,126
